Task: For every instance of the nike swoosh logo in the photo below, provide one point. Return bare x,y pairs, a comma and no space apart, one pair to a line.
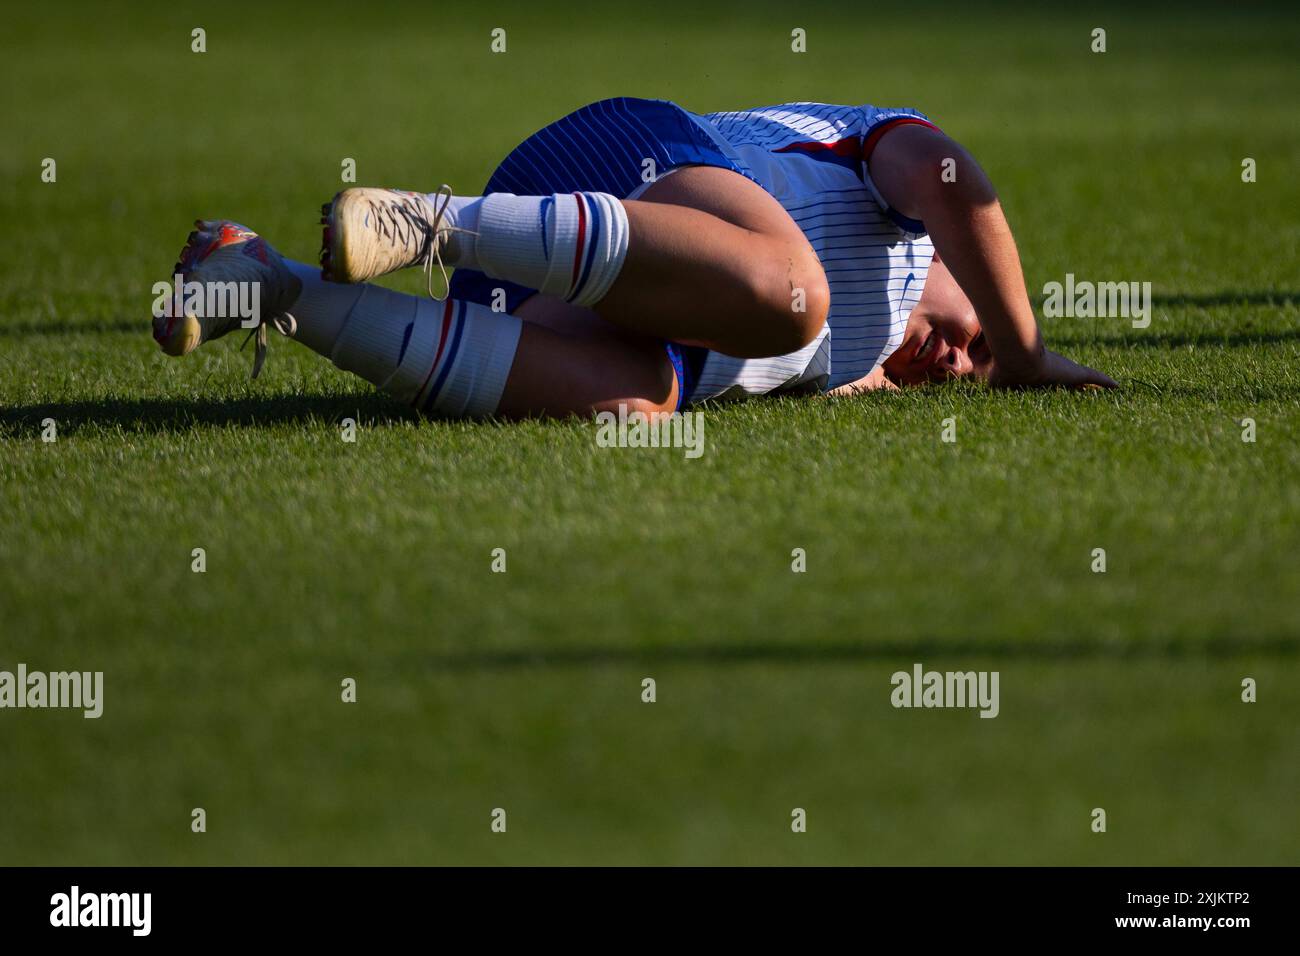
902,299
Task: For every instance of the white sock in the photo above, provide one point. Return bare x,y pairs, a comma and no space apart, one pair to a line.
462,214
322,307
570,245
449,357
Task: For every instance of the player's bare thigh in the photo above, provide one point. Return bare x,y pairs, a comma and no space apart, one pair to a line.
725,275
726,194
571,361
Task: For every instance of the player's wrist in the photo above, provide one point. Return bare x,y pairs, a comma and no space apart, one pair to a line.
1022,356
1023,366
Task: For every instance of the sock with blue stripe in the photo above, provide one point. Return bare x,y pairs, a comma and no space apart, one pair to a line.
450,358
570,245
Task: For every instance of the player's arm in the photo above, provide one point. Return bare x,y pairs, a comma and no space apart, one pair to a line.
971,234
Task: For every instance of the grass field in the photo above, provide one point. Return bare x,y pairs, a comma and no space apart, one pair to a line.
521,690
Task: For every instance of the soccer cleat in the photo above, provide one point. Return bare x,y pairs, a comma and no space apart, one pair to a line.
240,279
371,232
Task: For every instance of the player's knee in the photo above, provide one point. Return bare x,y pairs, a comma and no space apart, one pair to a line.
816,300
793,296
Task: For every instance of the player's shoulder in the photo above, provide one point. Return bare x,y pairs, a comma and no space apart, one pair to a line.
793,115
807,120
874,117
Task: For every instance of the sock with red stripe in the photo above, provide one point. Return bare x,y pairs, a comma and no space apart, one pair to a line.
451,358
570,245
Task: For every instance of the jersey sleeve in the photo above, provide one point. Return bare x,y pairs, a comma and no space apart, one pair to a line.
876,122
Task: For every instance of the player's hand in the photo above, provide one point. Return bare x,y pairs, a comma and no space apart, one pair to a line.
1050,370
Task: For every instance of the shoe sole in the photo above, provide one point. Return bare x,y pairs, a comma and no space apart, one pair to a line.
336,265
183,338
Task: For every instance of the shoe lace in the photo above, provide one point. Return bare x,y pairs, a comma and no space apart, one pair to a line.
284,323
406,222
443,193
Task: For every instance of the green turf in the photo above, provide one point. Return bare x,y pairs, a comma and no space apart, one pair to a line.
521,690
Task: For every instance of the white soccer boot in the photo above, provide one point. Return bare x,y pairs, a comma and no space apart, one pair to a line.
371,232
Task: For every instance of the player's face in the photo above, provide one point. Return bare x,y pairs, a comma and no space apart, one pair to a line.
943,338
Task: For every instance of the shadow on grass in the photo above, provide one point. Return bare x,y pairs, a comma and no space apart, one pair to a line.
58,327
1164,340
1228,297
160,415
847,652
1212,299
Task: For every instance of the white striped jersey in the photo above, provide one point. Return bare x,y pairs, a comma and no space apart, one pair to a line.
812,158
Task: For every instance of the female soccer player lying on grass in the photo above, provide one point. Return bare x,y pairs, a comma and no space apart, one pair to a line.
635,253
